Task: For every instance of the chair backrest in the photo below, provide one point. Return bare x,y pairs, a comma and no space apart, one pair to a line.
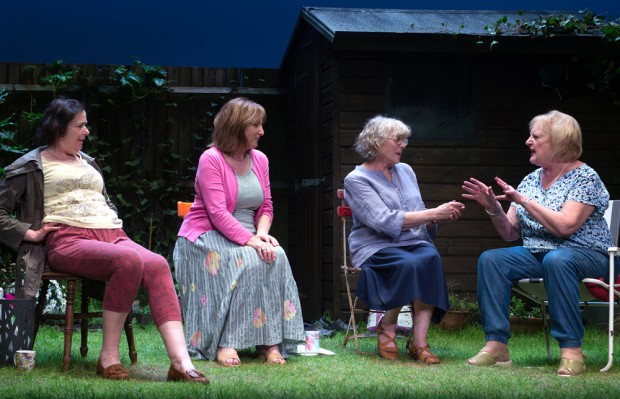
183,208
612,217
345,213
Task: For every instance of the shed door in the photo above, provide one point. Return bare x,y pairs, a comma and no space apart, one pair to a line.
307,269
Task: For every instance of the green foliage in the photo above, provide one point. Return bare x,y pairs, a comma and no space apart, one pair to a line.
61,77
141,80
603,70
9,149
462,302
123,103
567,24
518,308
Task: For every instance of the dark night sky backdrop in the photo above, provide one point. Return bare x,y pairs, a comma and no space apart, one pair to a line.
242,33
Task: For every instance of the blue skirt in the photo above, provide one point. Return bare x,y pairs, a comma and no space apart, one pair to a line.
394,277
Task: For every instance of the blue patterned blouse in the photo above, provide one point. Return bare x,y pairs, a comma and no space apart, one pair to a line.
581,184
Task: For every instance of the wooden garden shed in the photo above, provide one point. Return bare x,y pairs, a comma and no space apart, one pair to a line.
468,82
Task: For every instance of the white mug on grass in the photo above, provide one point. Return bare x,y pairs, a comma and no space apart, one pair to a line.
313,345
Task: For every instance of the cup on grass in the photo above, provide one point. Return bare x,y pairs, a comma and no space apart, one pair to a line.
312,342
25,360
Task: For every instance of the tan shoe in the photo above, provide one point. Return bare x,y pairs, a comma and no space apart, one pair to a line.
270,356
227,358
486,359
571,367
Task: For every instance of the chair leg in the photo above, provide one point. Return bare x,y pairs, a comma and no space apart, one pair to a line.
547,327
84,320
40,306
133,354
69,313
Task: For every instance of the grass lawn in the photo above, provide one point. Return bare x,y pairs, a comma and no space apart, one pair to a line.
345,375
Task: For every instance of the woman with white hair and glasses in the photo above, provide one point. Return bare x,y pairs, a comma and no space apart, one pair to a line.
391,238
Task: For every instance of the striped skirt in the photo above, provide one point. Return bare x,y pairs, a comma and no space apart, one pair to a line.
232,299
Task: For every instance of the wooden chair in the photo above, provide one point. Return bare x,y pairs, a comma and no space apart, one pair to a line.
89,289
533,288
351,272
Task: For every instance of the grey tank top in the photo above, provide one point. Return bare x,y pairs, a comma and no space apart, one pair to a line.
249,198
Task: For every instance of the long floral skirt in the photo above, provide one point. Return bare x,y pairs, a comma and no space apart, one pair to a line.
232,299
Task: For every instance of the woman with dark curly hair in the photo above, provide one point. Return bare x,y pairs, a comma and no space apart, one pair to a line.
68,220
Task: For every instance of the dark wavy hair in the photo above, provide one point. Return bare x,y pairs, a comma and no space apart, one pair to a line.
56,117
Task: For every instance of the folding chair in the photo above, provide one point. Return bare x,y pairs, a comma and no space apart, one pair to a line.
349,272
593,292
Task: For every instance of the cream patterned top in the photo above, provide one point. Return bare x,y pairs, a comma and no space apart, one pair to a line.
73,196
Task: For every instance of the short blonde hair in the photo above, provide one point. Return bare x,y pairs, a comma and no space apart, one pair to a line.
230,123
376,131
564,134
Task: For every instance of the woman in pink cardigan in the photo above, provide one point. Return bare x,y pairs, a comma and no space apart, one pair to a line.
235,280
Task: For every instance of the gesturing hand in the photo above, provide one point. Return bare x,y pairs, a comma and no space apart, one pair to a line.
480,192
449,212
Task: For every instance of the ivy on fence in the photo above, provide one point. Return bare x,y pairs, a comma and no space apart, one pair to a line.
130,106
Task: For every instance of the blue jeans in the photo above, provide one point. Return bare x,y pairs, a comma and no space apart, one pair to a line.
562,270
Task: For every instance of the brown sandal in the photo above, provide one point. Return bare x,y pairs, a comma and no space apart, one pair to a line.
385,351
423,354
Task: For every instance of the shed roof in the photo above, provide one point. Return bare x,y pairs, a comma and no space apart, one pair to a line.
453,31
331,21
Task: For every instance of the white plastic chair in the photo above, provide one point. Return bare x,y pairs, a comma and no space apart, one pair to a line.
533,288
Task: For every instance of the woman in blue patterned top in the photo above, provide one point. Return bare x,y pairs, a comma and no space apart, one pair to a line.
557,210
391,238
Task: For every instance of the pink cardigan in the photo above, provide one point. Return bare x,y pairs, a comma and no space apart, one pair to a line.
216,196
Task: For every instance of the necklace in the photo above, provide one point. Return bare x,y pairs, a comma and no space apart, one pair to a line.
558,176
68,161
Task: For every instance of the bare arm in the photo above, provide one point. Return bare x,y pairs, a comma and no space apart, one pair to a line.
444,213
560,223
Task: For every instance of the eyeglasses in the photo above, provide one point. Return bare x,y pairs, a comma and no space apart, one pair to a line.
399,141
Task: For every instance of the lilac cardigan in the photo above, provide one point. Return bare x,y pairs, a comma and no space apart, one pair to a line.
216,196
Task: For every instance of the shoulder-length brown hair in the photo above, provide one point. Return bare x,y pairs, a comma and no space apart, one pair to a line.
230,123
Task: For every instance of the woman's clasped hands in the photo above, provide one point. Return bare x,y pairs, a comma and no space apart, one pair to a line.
265,245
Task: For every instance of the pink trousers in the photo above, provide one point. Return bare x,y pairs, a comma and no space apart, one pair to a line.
109,255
